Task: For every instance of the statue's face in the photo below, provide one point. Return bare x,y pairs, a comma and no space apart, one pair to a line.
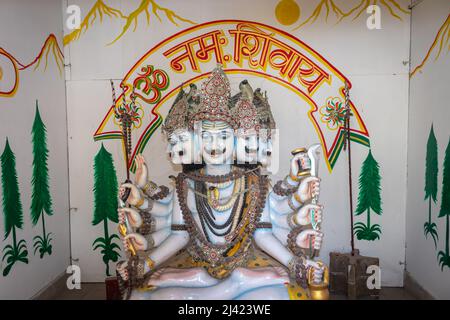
247,147
217,142
180,147
265,151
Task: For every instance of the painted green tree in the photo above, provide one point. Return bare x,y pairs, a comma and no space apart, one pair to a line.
444,256
105,205
41,201
431,180
12,210
369,198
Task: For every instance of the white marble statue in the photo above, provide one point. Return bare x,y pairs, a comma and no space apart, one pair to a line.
223,232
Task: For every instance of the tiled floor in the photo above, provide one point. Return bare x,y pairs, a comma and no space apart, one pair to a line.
96,291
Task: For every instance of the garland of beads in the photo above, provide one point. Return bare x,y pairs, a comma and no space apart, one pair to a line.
233,175
214,254
148,223
161,194
292,243
280,190
298,271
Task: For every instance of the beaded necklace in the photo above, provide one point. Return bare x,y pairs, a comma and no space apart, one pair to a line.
239,237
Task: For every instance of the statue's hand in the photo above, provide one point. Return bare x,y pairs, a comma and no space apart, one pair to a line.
304,236
309,188
121,268
137,240
318,270
135,196
134,218
301,159
141,175
304,214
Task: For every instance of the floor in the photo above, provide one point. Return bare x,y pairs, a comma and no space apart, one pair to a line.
96,291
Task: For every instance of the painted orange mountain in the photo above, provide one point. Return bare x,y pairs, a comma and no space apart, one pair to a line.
100,9
440,42
49,51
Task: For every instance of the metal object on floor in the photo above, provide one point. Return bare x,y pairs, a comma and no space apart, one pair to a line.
348,275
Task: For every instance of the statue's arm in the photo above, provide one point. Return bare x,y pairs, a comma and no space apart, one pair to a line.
176,241
268,242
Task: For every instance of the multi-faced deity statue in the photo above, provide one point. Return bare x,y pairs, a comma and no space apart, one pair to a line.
224,232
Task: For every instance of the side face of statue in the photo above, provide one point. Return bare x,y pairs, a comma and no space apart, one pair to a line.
181,147
221,216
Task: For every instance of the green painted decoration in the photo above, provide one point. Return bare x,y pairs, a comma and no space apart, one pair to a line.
41,200
105,205
444,256
12,210
431,180
369,198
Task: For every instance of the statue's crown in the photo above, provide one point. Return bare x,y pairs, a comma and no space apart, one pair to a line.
247,110
215,100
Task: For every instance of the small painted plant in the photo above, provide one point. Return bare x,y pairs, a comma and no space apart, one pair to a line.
369,198
105,205
431,180
444,256
12,210
41,201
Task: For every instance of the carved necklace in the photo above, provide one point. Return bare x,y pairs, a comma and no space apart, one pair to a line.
237,240
213,195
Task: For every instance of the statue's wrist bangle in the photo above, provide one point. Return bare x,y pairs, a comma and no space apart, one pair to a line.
150,241
291,205
292,220
297,198
294,178
150,263
150,188
140,201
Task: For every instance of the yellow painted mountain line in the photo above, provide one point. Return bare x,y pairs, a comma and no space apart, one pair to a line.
143,7
440,37
91,17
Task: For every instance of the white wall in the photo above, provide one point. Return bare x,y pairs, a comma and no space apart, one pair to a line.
374,61
24,27
429,96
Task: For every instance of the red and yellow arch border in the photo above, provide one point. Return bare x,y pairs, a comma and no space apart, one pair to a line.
331,151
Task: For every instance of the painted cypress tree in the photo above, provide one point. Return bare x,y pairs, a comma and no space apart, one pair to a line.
12,210
444,256
369,198
105,204
431,179
41,201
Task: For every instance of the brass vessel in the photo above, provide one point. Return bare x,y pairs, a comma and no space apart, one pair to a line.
319,291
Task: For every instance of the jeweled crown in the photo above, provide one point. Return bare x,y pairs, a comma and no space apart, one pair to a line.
215,100
247,110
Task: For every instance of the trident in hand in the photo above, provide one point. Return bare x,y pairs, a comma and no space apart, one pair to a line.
123,114
313,155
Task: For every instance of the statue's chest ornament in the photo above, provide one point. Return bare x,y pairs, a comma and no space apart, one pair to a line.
248,200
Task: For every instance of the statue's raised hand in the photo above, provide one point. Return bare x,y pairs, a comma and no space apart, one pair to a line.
318,270
303,216
134,218
309,188
137,240
141,175
122,269
304,237
135,197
